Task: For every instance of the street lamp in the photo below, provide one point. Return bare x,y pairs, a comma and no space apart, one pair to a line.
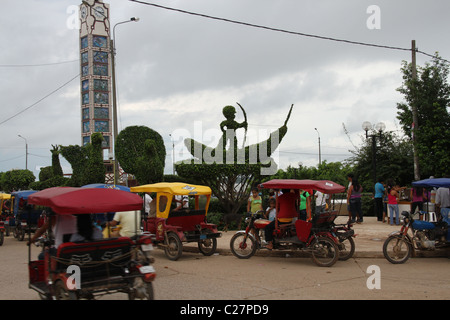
379,127
113,69
320,156
26,151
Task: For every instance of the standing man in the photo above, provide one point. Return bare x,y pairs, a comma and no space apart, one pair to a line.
378,198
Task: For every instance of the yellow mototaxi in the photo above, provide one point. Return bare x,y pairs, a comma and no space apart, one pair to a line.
178,214
4,216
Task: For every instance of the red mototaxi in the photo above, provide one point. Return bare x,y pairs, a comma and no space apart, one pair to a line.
118,272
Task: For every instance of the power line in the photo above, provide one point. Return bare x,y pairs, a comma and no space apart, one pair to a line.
36,65
46,96
287,31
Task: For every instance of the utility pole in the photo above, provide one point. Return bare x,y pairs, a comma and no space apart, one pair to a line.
415,126
320,155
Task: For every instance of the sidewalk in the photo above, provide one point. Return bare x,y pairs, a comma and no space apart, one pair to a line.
369,239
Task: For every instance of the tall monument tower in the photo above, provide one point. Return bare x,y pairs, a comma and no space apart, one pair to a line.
95,57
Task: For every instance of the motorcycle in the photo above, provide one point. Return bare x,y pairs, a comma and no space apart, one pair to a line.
400,246
425,235
300,235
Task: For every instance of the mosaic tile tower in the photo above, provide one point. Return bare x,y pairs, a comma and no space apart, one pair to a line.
95,57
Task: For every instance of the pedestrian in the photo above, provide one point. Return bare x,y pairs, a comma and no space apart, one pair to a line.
305,205
321,201
354,198
393,196
417,197
271,211
442,202
378,198
349,178
254,203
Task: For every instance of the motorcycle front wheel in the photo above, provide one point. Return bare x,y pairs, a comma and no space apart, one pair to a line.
346,249
243,246
397,249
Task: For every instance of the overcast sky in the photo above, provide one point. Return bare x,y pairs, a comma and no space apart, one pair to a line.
175,72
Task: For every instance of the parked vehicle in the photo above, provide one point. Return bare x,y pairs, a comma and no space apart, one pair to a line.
313,236
423,235
26,217
174,223
104,266
4,215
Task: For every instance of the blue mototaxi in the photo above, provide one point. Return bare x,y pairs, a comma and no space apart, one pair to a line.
25,217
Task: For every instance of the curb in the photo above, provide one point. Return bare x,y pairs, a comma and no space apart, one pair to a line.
300,254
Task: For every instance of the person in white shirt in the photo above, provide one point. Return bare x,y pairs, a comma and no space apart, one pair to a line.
321,200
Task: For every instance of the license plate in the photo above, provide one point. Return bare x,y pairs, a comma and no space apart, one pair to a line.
202,236
147,269
23,223
7,222
147,247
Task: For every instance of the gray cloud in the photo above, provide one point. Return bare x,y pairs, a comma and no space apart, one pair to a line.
174,69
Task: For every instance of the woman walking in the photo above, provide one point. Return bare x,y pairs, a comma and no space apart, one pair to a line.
354,198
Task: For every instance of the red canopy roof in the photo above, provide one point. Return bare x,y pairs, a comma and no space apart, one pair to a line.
68,200
324,186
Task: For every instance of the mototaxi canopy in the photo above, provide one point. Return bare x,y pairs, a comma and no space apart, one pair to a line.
324,186
166,190
5,196
177,188
71,200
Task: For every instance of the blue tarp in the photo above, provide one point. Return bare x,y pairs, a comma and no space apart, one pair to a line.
107,186
433,183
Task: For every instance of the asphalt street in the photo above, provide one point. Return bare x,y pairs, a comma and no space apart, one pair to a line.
366,276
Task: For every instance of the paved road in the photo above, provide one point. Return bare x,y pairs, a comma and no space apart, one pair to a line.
225,277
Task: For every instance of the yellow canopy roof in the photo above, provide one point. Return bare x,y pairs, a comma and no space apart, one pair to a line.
176,188
5,196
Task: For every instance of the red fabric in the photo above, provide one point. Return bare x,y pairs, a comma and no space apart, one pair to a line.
68,200
286,205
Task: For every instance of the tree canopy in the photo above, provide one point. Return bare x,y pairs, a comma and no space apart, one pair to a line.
430,92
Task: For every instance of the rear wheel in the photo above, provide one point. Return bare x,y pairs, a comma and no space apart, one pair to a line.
208,246
325,251
173,248
396,249
243,246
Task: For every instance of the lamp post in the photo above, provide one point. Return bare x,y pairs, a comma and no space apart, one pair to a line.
380,126
26,151
173,153
320,156
113,76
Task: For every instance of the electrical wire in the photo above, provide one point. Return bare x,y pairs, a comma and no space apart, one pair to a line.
36,65
287,31
43,98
